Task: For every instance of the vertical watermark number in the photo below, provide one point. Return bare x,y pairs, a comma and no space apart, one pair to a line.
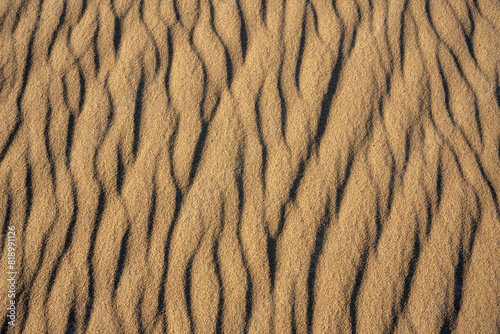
11,275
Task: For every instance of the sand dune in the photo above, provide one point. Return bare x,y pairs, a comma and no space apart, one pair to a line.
242,166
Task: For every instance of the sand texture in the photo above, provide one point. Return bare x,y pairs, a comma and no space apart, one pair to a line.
244,166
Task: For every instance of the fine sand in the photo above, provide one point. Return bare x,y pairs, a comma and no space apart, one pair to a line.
244,166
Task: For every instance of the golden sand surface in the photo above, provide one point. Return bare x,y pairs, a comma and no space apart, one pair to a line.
244,166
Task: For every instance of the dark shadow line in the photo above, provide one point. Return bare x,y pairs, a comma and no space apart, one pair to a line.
157,58
341,187
3,17
120,264
170,53
29,193
295,185
229,67
459,67
152,213
239,178
459,281
120,171
67,242
29,59
293,316
117,35
198,151
249,291
446,92
17,19
281,223
408,281
220,306
497,95
24,301
402,37
243,31
354,31
69,136
446,328
161,294
474,226
11,138
81,100
392,182
46,135
5,326
429,216
138,113
176,11
282,105
229,64
8,217
27,289
478,121
84,7
488,183
328,97
141,10
355,291
412,266
301,50
97,221
407,151
139,314
378,225
468,40
261,138
263,11
71,325
58,28
315,15
271,256
214,110
313,266
95,48
439,183
429,18
187,292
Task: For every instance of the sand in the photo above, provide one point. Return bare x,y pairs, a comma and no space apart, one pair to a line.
250,166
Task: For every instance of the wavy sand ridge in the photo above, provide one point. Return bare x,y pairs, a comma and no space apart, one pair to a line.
251,166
